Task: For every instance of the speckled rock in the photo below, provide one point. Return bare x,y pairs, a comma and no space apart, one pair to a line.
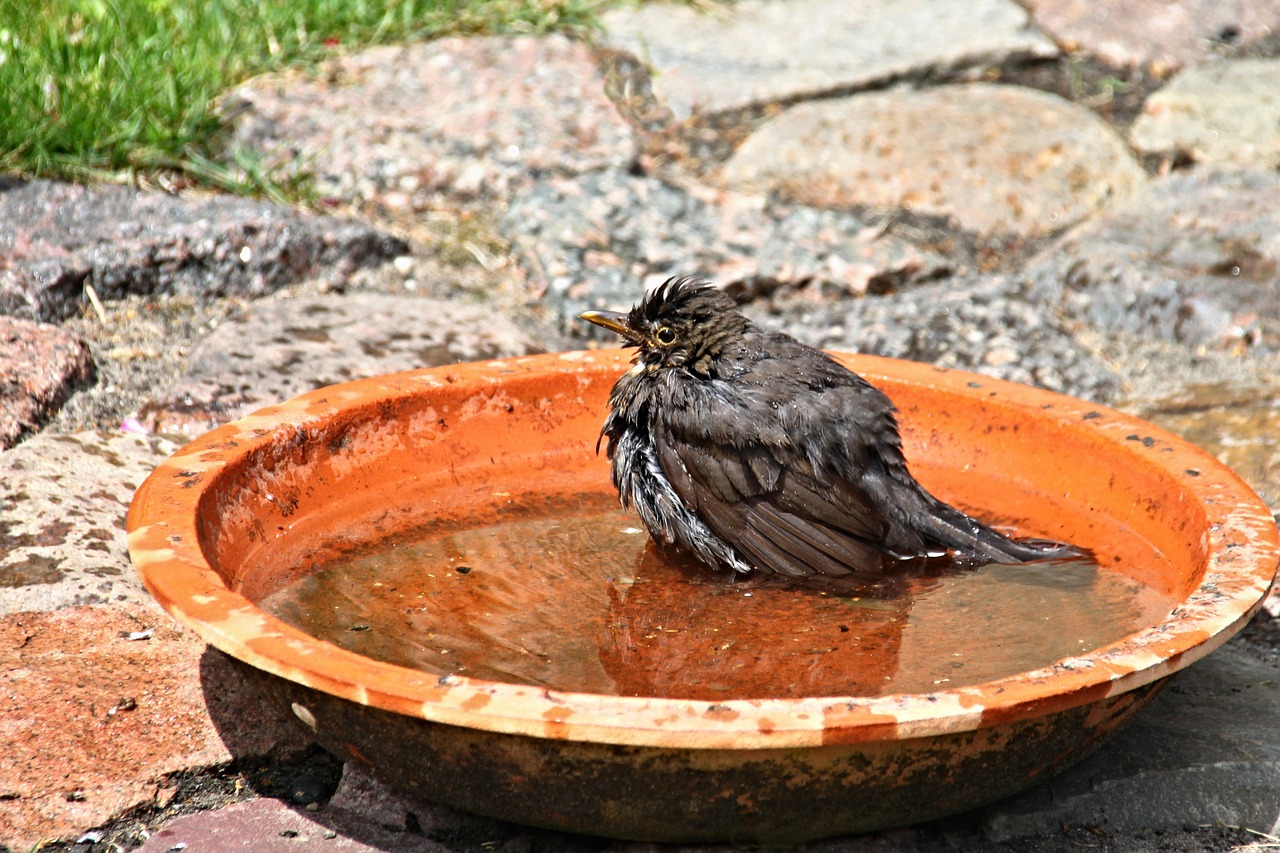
63,500
99,705
1160,35
360,793
59,238
993,158
1226,112
600,240
465,116
40,366
984,325
280,348
265,825
1195,259
716,58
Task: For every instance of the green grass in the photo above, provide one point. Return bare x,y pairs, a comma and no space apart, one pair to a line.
110,89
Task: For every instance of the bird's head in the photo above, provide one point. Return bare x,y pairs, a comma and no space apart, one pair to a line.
682,322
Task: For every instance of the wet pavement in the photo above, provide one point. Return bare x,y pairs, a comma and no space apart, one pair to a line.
1073,196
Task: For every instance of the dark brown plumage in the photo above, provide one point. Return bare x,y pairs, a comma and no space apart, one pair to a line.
756,452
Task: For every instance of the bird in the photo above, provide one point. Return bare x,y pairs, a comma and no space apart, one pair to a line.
757,453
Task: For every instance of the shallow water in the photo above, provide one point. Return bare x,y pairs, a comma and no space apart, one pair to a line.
574,596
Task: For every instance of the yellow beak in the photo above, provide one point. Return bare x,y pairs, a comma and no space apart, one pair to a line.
611,320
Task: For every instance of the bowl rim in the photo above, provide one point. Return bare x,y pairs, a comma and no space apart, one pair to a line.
1242,544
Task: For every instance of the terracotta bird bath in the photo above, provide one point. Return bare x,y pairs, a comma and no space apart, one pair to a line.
624,693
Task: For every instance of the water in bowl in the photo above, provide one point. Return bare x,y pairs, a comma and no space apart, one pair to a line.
569,593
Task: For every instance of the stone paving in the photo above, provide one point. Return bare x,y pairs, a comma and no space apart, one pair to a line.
60,238
42,366
972,152
393,126
881,177
764,51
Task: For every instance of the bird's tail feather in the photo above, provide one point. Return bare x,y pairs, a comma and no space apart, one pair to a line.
950,528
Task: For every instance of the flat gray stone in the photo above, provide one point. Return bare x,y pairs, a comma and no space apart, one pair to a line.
466,116
1193,259
40,366
1205,751
59,238
63,501
1225,112
598,241
365,797
710,59
280,348
992,158
1163,36
264,825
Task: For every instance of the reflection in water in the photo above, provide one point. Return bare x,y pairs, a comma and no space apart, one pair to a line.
673,633
576,597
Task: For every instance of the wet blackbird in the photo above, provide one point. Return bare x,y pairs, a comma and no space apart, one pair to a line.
756,452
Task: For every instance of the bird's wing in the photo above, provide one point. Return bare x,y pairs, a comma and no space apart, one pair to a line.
769,504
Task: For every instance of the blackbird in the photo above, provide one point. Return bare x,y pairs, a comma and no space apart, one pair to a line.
755,452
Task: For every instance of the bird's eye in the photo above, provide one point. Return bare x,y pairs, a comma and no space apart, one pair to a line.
665,335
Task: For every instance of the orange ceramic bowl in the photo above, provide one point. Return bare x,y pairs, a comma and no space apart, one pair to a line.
777,770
